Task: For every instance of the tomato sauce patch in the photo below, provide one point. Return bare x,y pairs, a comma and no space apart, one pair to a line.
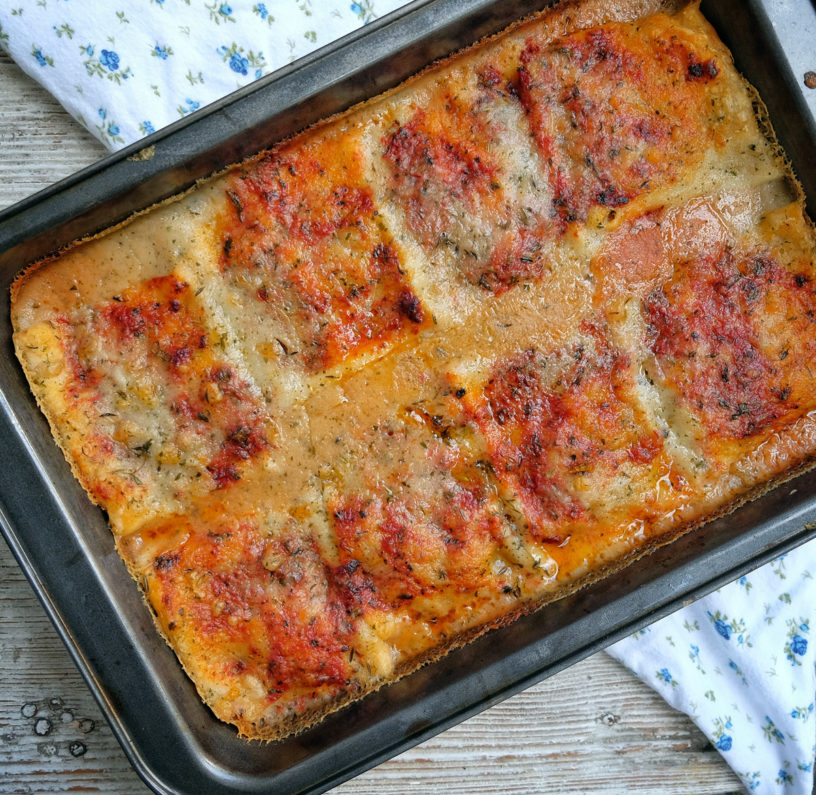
302,230
606,146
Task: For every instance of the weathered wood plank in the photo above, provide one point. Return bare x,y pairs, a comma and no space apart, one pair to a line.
39,142
592,729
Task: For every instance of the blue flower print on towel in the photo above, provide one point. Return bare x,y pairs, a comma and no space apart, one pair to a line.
772,734
42,60
802,713
146,127
238,63
364,10
723,740
241,62
783,777
108,64
725,628
724,743
721,627
738,671
220,12
694,656
665,676
796,645
161,51
262,11
188,107
108,128
109,59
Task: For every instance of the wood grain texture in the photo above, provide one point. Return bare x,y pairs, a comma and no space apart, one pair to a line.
594,728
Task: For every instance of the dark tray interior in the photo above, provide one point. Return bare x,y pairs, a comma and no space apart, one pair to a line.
65,547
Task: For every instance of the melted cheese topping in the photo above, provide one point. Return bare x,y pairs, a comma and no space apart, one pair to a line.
438,361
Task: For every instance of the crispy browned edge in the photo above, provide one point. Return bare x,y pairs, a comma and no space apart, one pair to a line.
561,18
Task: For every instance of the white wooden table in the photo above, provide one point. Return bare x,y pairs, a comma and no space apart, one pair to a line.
594,728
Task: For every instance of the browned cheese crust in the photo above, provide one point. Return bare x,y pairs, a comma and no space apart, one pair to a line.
439,360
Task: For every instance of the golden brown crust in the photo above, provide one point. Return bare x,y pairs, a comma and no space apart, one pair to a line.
439,360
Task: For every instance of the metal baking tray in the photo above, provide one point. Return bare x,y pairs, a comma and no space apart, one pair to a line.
64,545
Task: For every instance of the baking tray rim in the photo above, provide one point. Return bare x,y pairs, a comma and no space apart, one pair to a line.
30,567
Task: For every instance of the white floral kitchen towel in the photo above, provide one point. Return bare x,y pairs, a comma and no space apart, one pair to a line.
125,68
742,661
742,664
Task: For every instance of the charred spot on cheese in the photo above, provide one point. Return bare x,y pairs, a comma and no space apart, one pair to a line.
306,241
701,70
409,305
355,586
615,111
165,562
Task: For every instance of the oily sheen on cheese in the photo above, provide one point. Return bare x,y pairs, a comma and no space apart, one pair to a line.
439,360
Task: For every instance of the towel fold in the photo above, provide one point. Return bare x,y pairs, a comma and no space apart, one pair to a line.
125,69
741,663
